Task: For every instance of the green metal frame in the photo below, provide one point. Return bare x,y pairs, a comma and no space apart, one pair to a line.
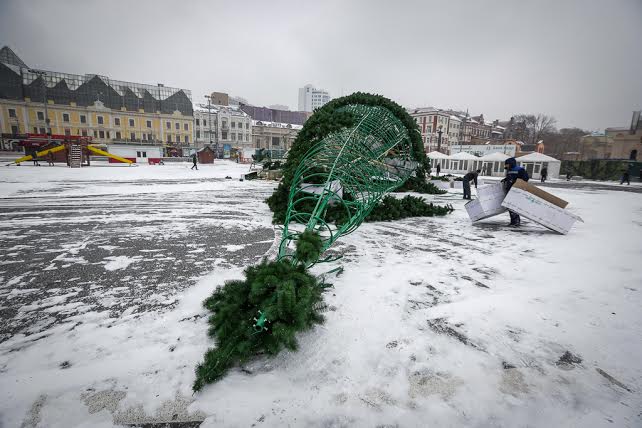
366,161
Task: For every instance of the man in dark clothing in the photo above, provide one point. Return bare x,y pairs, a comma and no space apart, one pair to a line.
34,158
50,159
626,177
194,160
438,169
513,172
466,182
544,174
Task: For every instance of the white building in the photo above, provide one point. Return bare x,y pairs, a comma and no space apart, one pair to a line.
311,98
483,149
434,121
229,125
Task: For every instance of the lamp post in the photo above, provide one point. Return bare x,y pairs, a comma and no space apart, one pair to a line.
439,132
209,116
42,75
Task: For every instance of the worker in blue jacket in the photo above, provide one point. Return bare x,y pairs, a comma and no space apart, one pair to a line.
513,172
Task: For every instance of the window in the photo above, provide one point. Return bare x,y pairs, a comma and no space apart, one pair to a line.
197,122
177,125
233,133
186,127
132,136
118,137
100,120
141,154
131,122
41,115
169,138
150,137
102,134
67,132
186,139
198,134
117,121
247,125
14,129
178,138
84,132
35,130
12,113
204,122
233,124
224,135
149,123
43,131
276,141
144,137
65,117
169,125
83,118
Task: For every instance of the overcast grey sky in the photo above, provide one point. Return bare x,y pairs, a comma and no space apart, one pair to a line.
580,61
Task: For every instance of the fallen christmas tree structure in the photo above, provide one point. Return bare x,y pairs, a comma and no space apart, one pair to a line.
338,182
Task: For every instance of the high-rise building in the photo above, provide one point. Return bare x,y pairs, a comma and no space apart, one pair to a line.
311,98
90,105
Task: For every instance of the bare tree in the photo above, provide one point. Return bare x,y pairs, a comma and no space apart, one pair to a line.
537,125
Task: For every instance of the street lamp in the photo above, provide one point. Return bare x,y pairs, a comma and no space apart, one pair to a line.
439,132
209,116
42,75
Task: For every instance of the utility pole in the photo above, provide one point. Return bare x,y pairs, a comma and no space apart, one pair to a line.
42,75
209,116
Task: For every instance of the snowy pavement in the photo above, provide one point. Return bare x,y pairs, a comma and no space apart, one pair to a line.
434,321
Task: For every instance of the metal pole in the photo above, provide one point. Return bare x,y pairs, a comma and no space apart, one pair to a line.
209,116
439,132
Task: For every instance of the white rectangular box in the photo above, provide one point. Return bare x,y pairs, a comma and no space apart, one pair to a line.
488,202
539,210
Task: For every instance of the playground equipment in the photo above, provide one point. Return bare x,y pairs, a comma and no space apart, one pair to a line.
76,148
345,175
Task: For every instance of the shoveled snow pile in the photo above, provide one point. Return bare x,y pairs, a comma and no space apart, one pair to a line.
434,322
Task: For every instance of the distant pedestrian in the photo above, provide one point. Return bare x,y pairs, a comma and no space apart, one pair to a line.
34,157
625,177
513,172
194,159
471,176
438,169
568,176
50,159
543,174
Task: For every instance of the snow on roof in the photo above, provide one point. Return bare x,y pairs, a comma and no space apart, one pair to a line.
464,155
276,124
492,157
437,155
536,157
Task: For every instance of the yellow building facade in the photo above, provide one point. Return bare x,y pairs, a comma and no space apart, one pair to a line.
107,110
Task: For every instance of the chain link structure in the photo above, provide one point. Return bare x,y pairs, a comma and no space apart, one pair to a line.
347,172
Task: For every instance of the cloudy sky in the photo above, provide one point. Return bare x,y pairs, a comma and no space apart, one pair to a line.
579,60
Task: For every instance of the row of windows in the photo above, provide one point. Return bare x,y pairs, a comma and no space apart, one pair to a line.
224,123
101,120
233,135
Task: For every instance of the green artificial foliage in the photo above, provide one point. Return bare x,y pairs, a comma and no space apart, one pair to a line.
392,208
308,247
260,315
329,119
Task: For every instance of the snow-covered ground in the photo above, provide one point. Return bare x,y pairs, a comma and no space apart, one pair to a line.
434,322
